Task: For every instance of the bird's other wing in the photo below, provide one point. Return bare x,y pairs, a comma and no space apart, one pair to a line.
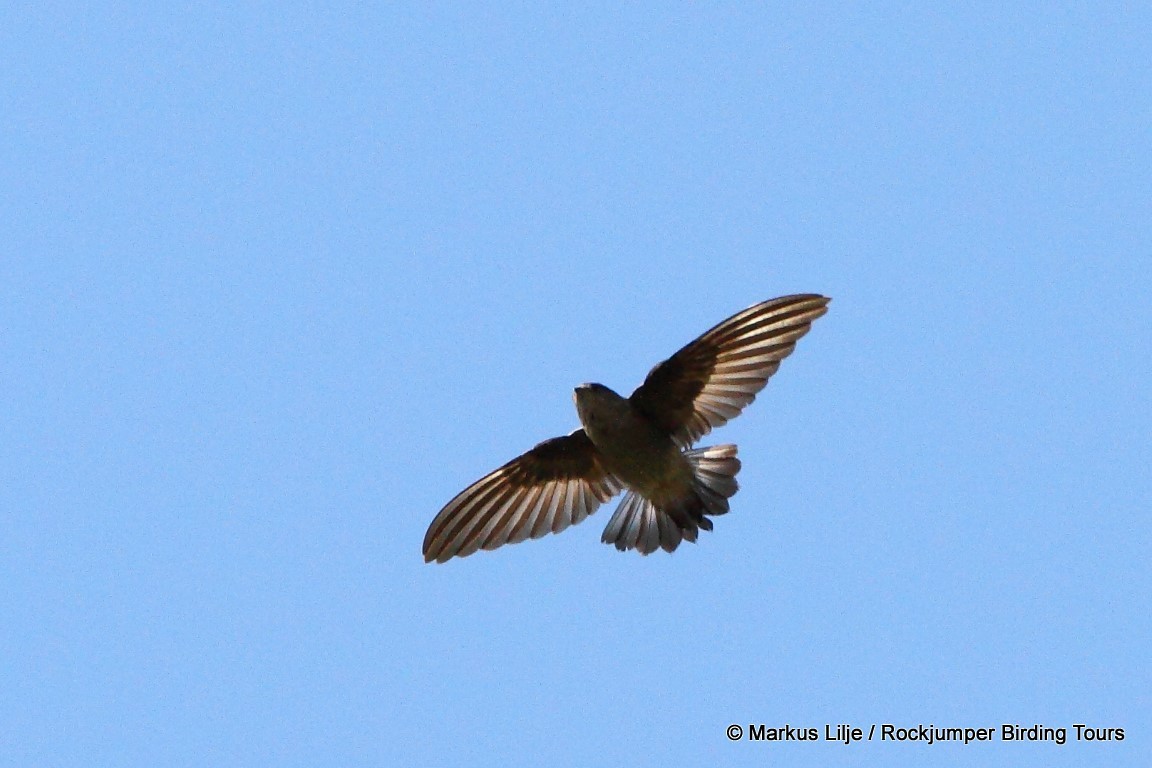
709,382
556,484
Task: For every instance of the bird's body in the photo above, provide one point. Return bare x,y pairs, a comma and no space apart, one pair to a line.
641,444
635,451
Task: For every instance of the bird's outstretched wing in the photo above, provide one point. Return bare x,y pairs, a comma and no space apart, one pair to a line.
556,484
710,381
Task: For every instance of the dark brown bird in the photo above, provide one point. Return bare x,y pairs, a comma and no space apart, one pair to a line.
642,444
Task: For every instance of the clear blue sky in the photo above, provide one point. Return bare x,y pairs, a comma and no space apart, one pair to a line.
277,280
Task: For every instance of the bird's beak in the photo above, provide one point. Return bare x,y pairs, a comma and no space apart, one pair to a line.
579,392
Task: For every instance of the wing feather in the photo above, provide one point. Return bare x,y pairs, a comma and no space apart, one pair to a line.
556,484
711,380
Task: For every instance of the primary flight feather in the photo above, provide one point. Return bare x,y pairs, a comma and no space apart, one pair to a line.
641,444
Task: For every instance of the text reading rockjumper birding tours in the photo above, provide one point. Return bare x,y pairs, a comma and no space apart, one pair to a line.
846,733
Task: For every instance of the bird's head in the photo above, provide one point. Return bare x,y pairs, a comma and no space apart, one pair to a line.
596,403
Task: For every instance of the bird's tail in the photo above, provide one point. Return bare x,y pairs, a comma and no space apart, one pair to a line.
638,524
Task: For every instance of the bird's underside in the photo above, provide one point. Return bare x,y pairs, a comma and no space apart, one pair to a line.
641,445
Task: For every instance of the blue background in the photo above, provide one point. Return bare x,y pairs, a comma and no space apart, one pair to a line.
278,279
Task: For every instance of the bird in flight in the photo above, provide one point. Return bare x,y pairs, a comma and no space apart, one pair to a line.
641,444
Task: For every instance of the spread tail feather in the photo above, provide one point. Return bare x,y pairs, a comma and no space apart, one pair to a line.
638,524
